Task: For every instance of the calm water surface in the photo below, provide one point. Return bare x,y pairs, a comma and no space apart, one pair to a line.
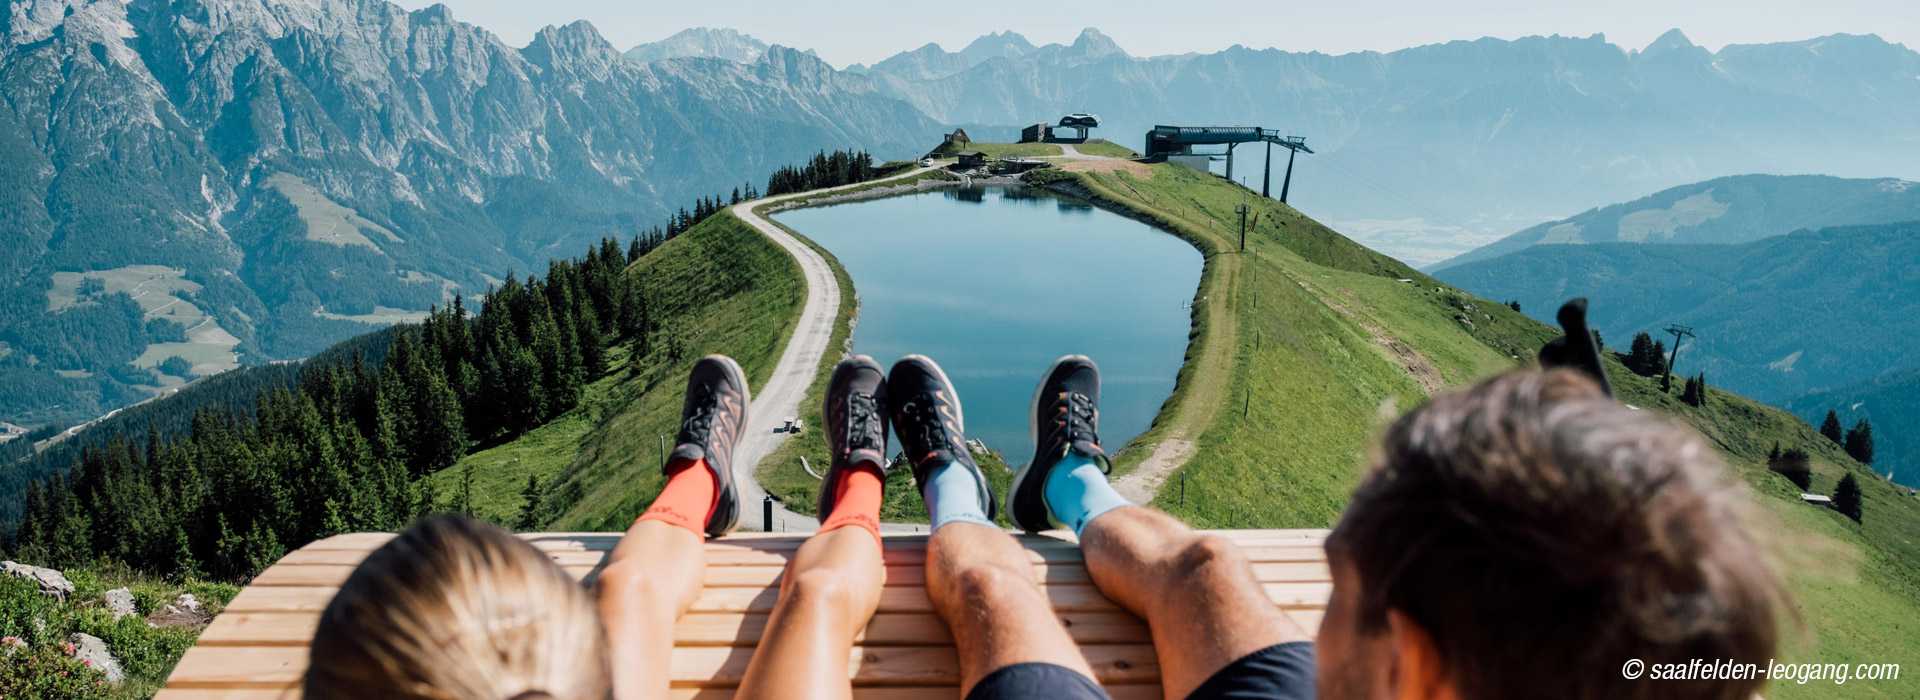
995,283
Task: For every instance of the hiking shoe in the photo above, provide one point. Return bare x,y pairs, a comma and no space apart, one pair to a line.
710,425
926,415
855,417
1066,418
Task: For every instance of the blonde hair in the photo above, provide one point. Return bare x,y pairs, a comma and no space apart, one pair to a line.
454,609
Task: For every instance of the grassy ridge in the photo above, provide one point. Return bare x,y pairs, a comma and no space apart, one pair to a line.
720,287
1328,330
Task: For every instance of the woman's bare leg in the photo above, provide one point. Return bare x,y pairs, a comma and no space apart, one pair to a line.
827,596
653,578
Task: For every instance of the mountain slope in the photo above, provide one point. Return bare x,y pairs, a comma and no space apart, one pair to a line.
1734,209
1775,318
1892,403
1429,151
234,181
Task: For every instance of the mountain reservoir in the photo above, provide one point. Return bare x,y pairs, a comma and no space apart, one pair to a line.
995,283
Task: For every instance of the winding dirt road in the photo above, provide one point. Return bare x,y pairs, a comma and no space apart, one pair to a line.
780,397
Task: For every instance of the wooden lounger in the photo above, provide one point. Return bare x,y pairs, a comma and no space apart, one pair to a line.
257,647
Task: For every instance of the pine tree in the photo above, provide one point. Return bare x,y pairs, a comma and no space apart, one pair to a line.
465,503
1797,466
1859,442
529,505
1831,428
1846,497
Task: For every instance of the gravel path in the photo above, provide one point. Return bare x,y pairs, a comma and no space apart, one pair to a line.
780,397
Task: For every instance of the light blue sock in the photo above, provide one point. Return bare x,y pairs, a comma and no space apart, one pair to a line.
1077,492
952,494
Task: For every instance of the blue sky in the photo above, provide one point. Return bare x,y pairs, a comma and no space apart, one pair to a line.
864,31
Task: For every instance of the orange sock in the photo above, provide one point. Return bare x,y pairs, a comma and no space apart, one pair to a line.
856,502
688,499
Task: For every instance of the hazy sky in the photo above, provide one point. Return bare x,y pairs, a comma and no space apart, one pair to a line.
864,31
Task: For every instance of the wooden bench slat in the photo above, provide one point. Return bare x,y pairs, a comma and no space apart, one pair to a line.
1065,598
602,541
726,629
309,569
278,667
1119,692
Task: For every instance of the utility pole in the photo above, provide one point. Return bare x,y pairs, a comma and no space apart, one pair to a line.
1679,332
1243,210
1266,172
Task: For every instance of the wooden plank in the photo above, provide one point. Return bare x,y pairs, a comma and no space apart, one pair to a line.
280,667
698,629
1117,692
303,571
604,541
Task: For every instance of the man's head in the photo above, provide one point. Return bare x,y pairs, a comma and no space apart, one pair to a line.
1526,537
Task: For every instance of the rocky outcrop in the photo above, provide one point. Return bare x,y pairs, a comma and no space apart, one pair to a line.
93,652
120,602
51,581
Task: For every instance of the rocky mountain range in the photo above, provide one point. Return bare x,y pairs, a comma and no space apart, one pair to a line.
1430,151
224,181
1735,209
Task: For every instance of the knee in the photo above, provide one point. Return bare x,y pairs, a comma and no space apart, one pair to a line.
990,581
1209,556
829,588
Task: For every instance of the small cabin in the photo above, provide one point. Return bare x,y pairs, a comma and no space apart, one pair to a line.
976,159
957,139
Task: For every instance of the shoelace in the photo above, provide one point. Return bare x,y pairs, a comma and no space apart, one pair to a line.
698,428
927,424
863,423
1078,424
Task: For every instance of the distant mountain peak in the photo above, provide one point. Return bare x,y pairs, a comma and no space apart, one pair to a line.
702,42
1092,42
1674,39
997,44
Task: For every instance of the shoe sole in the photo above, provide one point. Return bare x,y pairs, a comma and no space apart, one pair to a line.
1033,428
729,496
826,482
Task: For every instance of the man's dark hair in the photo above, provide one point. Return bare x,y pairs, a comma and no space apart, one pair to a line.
1544,535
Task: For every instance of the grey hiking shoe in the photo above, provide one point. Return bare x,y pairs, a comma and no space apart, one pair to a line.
856,423
927,417
1065,419
710,423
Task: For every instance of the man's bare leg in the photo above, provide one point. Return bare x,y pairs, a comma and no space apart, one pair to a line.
827,595
982,584
1197,593
979,579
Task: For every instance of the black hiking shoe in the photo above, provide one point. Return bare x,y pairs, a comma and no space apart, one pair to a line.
932,428
710,425
1066,418
856,423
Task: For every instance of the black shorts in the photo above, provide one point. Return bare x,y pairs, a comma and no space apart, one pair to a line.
1036,680
1278,672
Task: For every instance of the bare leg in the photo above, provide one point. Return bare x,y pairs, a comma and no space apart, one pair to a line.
1196,592
653,577
827,596
982,584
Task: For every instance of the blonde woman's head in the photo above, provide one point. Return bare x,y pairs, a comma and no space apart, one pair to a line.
455,609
